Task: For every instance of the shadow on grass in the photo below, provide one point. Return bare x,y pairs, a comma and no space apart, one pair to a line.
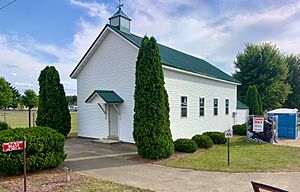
242,141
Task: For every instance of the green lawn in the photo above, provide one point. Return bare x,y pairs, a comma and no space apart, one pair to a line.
245,157
20,119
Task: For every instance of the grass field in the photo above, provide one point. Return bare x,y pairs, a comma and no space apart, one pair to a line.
245,157
20,119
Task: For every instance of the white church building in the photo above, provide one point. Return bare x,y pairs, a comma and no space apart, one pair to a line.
201,96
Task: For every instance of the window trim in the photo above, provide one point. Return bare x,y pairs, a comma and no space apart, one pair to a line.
226,106
181,107
217,106
202,97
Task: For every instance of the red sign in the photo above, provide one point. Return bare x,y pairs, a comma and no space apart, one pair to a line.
12,146
258,124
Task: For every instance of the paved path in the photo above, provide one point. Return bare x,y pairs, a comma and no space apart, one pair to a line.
113,164
290,142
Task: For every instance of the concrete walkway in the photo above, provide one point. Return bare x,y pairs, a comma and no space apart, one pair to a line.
112,162
289,142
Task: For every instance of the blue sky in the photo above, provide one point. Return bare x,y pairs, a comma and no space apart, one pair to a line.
34,34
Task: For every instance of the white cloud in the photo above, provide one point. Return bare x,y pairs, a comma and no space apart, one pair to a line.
22,60
94,9
24,84
220,37
215,33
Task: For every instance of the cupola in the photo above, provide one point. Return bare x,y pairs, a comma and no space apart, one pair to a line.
120,21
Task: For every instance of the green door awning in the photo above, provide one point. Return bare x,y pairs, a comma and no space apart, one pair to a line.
107,95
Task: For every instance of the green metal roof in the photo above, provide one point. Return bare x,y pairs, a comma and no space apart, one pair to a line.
173,58
241,105
107,96
120,13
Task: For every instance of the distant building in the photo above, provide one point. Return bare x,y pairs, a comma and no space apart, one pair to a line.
201,96
72,107
242,112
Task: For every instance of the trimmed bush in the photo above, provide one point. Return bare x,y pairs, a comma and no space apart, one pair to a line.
185,145
253,100
45,149
4,126
216,137
203,141
151,124
53,108
239,129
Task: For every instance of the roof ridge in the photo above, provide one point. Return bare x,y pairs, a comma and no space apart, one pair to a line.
168,47
171,56
104,90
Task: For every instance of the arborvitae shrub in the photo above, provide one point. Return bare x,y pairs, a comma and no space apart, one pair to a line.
216,137
53,108
185,145
151,132
239,129
253,100
4,126
45,149
203,141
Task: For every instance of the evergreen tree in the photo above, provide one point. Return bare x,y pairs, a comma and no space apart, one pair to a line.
293,79
260,106
53,106
151,132
16,96
253,100
6,95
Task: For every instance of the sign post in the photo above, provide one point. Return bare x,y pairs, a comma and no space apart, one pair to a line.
228,149
228,135
24,151
17,146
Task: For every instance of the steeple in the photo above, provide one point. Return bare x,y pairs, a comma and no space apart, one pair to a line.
120,20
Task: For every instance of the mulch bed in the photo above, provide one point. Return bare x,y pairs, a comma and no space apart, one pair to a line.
176,155
45,181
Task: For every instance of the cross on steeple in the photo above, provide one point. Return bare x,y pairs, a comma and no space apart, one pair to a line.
120,4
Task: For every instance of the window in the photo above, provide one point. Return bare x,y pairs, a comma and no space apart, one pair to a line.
226,106
115,21
183,106
125,23
215,106
201,107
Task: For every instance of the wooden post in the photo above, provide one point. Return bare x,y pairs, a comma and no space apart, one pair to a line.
29,116
33,119
4,116
24,151
228,146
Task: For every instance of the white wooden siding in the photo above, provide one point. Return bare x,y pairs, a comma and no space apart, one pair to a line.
242,116
111,67
179,84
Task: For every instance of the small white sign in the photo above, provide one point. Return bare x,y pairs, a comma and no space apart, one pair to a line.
258,124
228,133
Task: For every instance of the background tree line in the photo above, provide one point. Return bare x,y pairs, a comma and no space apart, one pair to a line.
10,97
52,102
269,79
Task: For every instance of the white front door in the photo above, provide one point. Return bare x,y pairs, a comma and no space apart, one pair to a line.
113,122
